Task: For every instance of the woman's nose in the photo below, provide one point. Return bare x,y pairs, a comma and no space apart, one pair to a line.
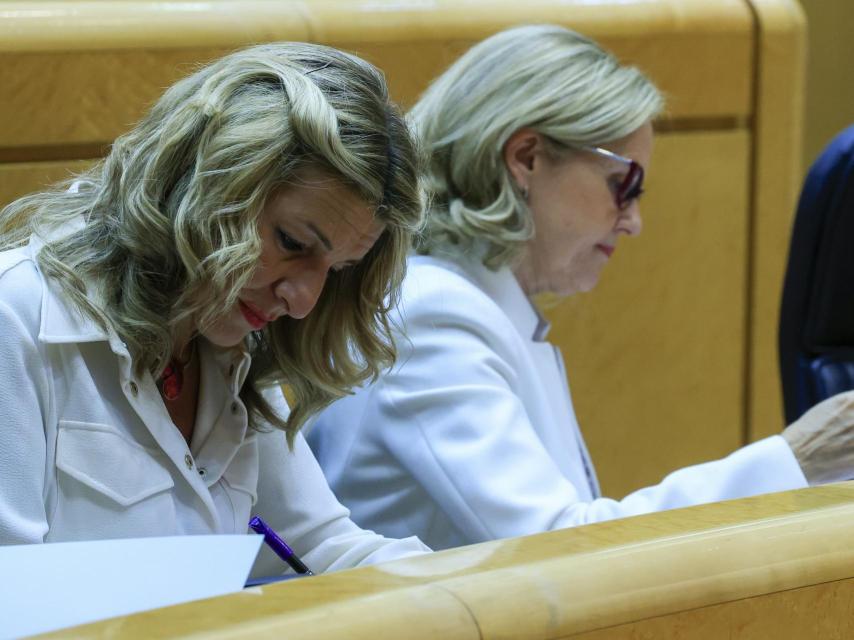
301,290
630,220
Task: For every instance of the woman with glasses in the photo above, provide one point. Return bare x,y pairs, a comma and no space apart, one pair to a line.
539,141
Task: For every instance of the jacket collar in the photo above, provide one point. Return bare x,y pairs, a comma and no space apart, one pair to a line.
501,286
61,321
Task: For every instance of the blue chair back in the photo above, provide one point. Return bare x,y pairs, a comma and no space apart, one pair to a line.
816,337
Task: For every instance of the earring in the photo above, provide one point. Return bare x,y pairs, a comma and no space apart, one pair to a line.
524,191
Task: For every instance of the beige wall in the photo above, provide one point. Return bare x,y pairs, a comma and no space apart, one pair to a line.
830,72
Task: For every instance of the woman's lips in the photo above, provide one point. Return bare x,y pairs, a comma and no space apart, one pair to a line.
252,316
606,249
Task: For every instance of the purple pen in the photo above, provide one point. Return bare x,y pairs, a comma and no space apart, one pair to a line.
279,546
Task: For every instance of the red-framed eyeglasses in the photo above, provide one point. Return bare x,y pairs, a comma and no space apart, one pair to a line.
631,186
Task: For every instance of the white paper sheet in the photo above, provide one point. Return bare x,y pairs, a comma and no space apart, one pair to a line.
49,586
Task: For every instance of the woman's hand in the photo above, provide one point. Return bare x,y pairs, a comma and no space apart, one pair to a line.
823,440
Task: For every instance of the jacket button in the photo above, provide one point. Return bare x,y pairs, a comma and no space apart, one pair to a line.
234,407
202,471
134,390
188,460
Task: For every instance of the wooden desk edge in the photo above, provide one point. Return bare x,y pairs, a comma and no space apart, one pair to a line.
92,26
641,567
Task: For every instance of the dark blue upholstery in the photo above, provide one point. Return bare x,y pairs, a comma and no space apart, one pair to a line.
817,311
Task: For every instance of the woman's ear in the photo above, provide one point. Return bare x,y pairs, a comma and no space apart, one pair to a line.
520,156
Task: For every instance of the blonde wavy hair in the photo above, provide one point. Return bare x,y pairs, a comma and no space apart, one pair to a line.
550,79
169,218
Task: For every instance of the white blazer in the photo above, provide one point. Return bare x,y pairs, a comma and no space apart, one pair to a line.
472,435
88,450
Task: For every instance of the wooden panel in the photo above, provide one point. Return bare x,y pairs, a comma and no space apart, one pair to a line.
655,354
777,182
830,74
413,43
100,64
18,179
551,585
64,26
823,611
83,97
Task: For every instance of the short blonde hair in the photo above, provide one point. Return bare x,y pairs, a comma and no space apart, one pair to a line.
553,80
171,217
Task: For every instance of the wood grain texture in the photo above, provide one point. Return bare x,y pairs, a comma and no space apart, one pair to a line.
781,51
19,179
830,74
558,584
823,611
110,25
658,36
84,72
86,97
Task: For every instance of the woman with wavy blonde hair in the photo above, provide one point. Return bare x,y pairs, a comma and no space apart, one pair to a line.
539,141
249,232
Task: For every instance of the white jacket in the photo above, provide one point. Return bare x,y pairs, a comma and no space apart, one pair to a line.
472,435
88,450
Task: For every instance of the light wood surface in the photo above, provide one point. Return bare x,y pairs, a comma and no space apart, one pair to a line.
829,609
830,74
100,64
776,169
716,36
62,26
17,179
643,577
672,358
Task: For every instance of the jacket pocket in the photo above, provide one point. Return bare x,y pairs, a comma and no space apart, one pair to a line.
108,462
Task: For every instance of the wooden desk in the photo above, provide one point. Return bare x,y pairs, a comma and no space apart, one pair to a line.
778,566
672,359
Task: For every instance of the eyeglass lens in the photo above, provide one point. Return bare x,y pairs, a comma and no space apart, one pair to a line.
631,186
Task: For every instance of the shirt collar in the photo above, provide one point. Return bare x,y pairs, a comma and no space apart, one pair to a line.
234,364
543,325
503,288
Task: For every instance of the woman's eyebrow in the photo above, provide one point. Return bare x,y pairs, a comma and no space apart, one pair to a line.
320,235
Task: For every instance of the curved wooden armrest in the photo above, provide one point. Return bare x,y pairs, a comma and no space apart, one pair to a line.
607,576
